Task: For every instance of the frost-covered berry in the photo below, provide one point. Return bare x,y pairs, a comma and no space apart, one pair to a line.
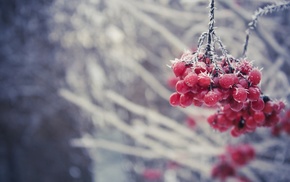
211,98
245,67
240,94
186,99
255,76
204,80
244,82
253,93
227,80
181,87
178,68
236,106
191,79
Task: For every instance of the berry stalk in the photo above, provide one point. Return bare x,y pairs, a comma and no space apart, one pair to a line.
210,29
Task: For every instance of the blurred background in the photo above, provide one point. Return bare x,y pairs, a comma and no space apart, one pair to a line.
84,88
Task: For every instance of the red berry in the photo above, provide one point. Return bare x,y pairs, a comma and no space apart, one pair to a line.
211,98
272,120
191,79
186,99
255,76
236,106
253,93
200,94
186,72
251,123
178,68
223,121
174,99
244,82
278,106
204,80
238,157
200,67
258,105
225,93
259,117
268,108
227,80
212,121
235,132
240,94
181,87
218,92
244,67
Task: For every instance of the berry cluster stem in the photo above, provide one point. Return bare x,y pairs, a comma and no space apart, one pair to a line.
210,29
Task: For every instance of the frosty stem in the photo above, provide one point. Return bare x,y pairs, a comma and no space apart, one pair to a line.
210,29
260,12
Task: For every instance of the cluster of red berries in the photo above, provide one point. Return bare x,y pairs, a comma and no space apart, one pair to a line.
228,83
284,125
247,119
234,158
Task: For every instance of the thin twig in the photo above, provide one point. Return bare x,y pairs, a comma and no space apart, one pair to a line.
260,12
